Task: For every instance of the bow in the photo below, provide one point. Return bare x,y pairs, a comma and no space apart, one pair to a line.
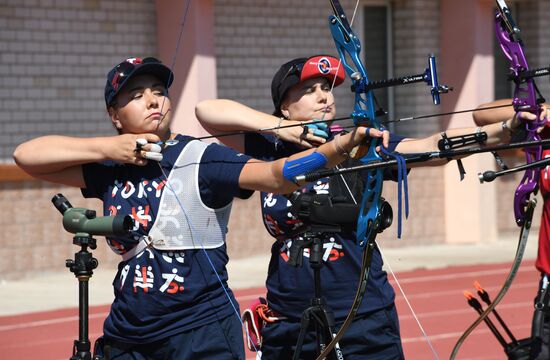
370,220
526,98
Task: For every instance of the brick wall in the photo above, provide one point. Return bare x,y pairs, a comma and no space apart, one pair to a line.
253,39
54,56
416,35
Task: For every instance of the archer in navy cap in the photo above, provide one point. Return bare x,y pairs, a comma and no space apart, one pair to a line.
120,74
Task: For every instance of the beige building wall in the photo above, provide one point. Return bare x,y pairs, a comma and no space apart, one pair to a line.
54,56
53,59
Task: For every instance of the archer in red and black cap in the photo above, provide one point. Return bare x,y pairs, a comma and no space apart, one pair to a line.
302,69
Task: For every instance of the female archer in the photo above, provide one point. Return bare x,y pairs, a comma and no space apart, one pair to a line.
301,92
171,294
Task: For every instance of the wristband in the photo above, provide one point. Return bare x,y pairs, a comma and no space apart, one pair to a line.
305,164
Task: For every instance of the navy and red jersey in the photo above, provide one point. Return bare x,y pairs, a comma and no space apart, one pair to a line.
290,289
160,293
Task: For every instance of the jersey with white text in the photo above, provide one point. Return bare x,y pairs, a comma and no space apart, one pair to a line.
290,289
160,293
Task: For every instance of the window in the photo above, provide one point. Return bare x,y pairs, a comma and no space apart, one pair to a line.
377,33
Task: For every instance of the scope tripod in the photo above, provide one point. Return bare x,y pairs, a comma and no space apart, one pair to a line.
82,267
319,313
84,224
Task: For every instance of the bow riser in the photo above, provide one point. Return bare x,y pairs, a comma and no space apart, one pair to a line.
349,46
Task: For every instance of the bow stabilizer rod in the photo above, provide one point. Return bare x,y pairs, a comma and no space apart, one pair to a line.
490,175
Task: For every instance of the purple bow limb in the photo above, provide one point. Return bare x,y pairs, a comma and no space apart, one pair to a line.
525,99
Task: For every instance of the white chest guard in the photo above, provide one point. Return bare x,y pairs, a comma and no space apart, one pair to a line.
198,226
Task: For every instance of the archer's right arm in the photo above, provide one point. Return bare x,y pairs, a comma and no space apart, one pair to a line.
221,115
59,159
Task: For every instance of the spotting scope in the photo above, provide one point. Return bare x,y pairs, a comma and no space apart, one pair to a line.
80,220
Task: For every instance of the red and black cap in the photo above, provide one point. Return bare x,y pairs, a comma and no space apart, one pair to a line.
302,69
120,74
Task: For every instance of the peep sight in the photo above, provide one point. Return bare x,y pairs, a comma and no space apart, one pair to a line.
84,221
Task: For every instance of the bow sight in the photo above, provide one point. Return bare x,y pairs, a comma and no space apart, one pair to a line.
429,76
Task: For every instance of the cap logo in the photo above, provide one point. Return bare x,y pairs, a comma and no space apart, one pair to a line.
134,61
324,66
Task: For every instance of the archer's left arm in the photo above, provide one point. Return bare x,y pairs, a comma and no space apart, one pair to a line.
485,115
496,134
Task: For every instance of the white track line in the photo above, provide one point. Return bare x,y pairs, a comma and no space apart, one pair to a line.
430,278
49,322
455,335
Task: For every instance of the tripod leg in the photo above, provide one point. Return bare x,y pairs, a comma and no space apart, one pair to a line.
82,267
322,331
304,325
325,322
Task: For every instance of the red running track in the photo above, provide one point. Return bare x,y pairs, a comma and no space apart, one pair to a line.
435,295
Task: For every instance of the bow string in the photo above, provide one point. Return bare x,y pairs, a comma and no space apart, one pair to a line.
169,187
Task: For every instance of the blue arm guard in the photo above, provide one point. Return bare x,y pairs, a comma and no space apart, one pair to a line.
311,162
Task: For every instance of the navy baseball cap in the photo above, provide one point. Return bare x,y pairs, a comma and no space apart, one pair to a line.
120,74
301,69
